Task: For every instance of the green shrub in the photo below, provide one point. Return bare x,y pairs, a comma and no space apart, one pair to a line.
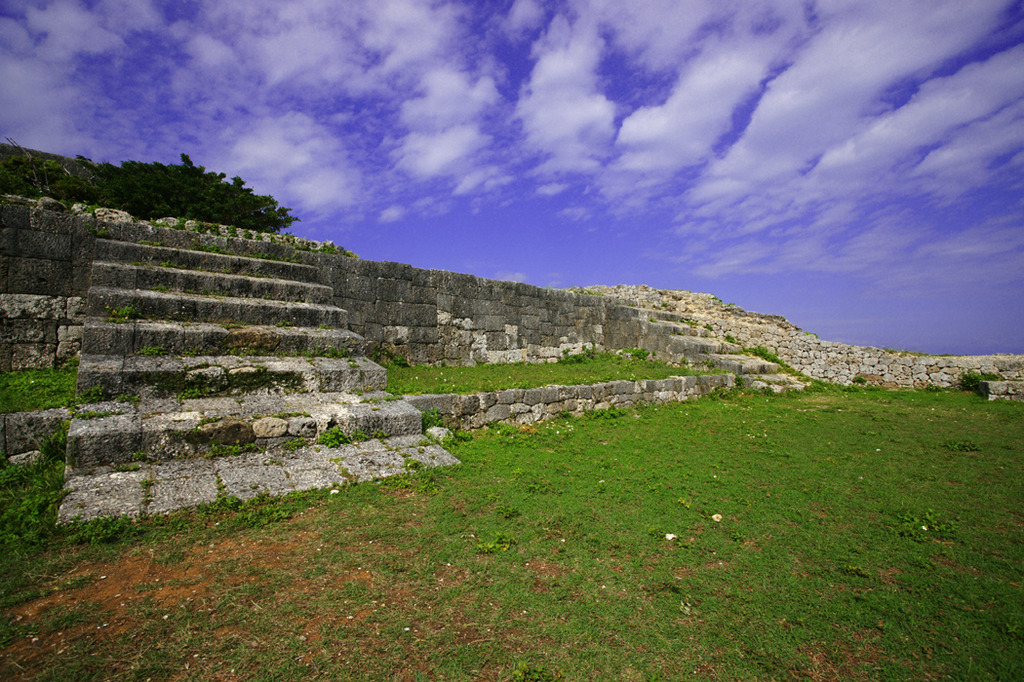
149,191
764,354
33,177
432,418
334,437
971,381
588,353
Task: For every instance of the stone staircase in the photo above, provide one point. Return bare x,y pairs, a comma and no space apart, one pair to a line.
239,364
673,336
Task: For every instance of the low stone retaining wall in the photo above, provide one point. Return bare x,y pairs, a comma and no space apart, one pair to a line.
529,405
22,432
1002,390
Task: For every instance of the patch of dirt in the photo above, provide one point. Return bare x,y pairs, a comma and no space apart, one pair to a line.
100,600
545,568
888,575
849,660
956,566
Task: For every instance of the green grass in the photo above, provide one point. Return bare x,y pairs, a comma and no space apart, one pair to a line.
38,389
602,367
863,534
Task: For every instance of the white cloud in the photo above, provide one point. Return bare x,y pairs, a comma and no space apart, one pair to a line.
525,15
939,107
681,131
838,78
552,188
563,114
430,155
448,99
391,214
511,276
210,52
294,158
67,29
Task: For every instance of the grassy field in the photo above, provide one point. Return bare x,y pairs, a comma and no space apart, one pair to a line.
832,535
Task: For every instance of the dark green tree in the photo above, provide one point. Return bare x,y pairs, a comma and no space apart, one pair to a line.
34,177
155,190
149,190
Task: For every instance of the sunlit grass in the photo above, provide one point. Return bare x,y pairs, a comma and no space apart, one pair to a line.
38,389
827,535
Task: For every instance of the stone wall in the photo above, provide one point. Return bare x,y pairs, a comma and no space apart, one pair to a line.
826,360
526,406
431,316
45,261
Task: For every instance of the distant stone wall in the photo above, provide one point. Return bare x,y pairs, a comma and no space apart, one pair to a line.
825,360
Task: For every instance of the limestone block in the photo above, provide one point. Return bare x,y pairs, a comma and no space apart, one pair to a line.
39,276
269,427
303,427
50,221
227,432
33,306
499,412
35,244
32,355
15,217
27,331
67,350
468,404
25,431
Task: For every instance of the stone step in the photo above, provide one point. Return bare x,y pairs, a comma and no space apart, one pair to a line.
743,364
158,488
695,348
157,431
159,376
103,337
775,383
132,252
103,301
124,276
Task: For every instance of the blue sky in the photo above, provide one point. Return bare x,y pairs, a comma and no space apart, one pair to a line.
855,166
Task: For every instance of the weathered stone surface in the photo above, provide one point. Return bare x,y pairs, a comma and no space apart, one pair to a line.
269,427
112,215
302,427
26,431
30,457
254,338
227,432
1002,390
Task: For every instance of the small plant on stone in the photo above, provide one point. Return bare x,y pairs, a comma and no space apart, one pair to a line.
124,314
587,353
152,350
761,352
432,418
334,437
